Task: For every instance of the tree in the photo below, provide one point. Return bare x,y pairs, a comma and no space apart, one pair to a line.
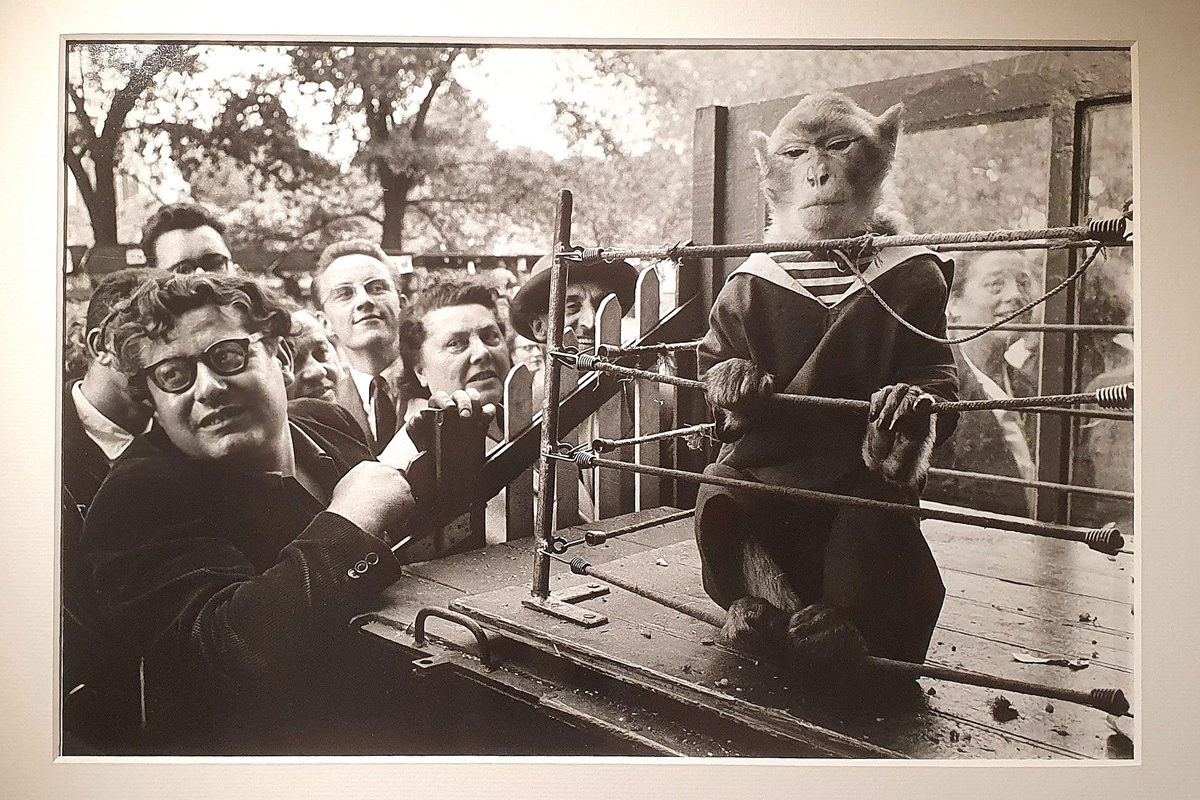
95,131
166,108
380,98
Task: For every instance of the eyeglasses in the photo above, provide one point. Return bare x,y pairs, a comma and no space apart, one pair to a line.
209,262
227,357
376,287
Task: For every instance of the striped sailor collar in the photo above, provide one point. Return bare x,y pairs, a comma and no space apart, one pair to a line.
774,267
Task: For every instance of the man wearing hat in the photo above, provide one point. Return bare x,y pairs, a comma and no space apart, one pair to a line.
587,285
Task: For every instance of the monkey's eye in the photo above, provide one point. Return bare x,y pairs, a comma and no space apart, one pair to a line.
794,151
840,144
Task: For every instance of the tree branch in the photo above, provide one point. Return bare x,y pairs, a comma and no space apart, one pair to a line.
337,218
433,223
81,114
82,179
436,79
140,77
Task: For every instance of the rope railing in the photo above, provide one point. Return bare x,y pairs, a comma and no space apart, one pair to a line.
1103,232
1108,700
1108,397
1114,494
612,351
601,445
1047,327
1107,540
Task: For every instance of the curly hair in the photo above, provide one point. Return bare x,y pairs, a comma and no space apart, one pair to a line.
154,309
440,293
176,217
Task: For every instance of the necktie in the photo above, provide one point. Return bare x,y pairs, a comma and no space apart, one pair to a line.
385,411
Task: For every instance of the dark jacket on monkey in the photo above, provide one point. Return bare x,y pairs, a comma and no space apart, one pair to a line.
874,566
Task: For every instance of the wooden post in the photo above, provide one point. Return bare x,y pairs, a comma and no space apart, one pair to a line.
518,413
566,502
606,484
647,396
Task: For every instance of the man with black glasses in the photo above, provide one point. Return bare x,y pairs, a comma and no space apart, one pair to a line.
185,237
230,547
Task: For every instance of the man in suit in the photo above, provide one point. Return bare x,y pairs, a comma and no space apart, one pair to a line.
185,237
355,289
99,422
231,546
99,418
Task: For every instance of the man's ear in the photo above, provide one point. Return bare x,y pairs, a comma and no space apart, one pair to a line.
539,327
320,315
93,341
761,142
287,360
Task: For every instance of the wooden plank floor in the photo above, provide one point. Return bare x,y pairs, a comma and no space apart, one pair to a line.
1006,594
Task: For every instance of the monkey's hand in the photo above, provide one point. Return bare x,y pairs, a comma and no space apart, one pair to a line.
736,386
823,642
754,626
900,436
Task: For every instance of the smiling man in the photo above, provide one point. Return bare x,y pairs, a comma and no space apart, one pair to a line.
587,286
230,547
355,289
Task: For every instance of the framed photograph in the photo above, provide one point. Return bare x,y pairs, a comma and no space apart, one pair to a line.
776,190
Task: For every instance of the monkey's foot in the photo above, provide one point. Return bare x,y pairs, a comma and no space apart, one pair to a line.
822,642
754,626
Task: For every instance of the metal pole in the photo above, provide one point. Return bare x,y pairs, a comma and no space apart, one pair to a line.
1111,701
543,526
1105,540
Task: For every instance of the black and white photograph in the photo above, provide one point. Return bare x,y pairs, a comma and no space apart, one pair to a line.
473,399
503,400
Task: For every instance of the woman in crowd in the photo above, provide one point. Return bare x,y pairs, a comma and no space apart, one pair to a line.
452,338
997,365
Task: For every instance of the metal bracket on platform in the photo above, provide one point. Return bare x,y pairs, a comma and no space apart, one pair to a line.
562,605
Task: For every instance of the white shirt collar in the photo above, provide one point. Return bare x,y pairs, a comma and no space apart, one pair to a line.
110,437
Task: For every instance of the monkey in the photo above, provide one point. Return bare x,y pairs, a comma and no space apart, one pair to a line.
819,584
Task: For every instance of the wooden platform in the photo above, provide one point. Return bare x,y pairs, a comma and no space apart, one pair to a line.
657,678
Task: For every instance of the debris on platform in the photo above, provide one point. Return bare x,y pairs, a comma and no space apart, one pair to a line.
1003,710
662,562
1054,661
1086,617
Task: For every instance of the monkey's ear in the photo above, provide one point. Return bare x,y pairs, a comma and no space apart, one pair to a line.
887,125
760,141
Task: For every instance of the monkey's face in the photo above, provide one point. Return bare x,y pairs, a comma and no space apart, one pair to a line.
823,166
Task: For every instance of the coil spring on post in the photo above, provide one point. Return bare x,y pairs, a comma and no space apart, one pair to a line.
585,361
579,565
1111,700
1108,231
585,459
586,254
1107,540
1115,396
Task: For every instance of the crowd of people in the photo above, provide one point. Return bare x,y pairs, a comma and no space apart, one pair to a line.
224,510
